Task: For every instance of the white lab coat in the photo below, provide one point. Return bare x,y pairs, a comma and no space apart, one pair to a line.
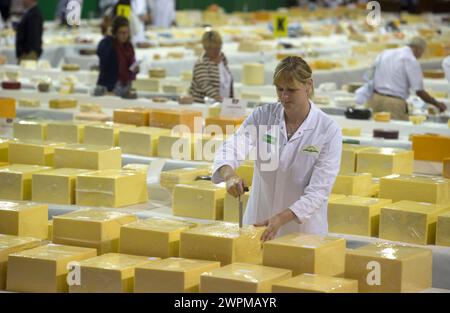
303,179
446,67
163,13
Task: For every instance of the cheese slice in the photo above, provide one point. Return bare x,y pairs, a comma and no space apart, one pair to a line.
141,140
88,157
15,181
411,222
383,267
242,278
43,269
55,186
199,199
303,253
443,230
172,275
314,283
91,228
223,242
12,244
356,184
231,207
385,161
33,152
27,130
109,273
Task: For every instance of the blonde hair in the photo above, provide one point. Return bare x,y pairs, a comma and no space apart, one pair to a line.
291,70
211,39
418,42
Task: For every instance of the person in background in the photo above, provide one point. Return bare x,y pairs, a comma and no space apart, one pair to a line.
116,54
61,11
29,32
396,71
211,76
162,13
446,68
5,8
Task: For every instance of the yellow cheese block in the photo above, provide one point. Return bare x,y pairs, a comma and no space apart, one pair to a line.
349,157
323,65
231,207
15,181
384,267
156,236
50,230
251,96
205,147
253,74
111,188
186,76
214,110
25,130
172,118
446,168
55,186
146,84
91,228
7,107
302,253
109,273
24,219
141,140
314,283
168,179
136,116
43,269
242,278
353,184
33,152
385,161
443,230
430,147
29,103
417,119
175,147
382,116
227,125
173,89
352,132
68,132
249,46
103,134
411,222
223,242
88,157
4,145
137,167
355,215
199,199
12,244
62,103
245,171
415,188
172,275
157,73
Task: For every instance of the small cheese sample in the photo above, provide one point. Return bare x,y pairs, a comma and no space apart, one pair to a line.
109,273
227,125
349,157
68,132
169,179
242,278
175,147
383,267
199,199
70,67
62,103
445,167
24,219
12,244
223,242
156,236
91,228
55,186
172,275
27,130
382,116
171,118
15,181
146,84
443,230
135,116
314,283
43,269
7,107
231,207
32,152
245,171
29,103
353,184
253,74
351,132
88,157
304,253
415,188
157,73
90,108
417,119
430,147
173,89
141,140
111,188
355,215
411,222
104,134
385,161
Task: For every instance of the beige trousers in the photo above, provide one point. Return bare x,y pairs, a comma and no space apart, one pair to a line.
397,107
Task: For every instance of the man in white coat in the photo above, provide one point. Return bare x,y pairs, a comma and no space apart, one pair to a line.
303,148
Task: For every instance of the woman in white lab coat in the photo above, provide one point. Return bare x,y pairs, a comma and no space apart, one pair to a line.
298,151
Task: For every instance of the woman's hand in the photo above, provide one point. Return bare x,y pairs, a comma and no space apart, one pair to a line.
234,184
274,223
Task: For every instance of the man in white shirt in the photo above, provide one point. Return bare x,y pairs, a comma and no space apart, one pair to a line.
396,72
446,67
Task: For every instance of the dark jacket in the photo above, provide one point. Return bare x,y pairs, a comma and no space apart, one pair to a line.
109,72
29,33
